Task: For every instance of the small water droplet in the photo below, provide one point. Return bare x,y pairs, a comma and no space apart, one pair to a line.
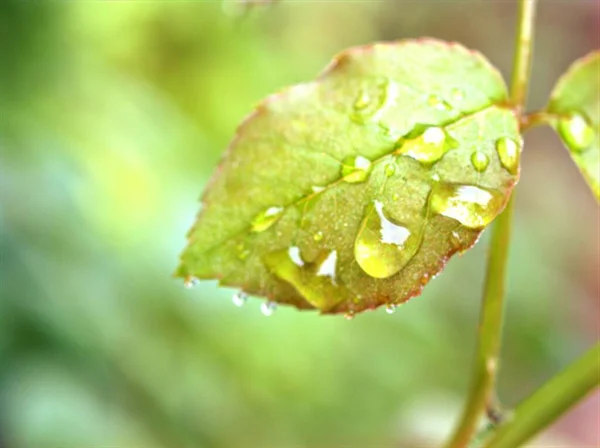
268,308
243,252
318,236
349,315
438,103
317,189
508,151
356,169
480,161
190,282
239,298
390,308
371,99
435,177
266,219
472,206
455,238
576,132
390,169
383,247
457,94
427,148
395,196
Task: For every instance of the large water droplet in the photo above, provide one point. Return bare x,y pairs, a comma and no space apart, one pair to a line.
315,280
383,247
266,219
438,103
268,308
480,161
576,132
190,282
472,206
508,151
239,298
427,148
371,99
356,169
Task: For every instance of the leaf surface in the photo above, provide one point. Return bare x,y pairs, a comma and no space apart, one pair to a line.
353,190
575,101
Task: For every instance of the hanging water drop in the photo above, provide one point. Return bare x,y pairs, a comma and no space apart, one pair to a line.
383,247
266,219
190,282
576,132
480,161
508,151
390,308
239,298
356,169
268,308
472,206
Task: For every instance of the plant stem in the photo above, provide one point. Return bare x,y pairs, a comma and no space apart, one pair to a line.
492,310
550,401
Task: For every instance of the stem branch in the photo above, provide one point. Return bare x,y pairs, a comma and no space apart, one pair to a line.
550,401
492,311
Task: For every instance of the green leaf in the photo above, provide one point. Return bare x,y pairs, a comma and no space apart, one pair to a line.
575,101
353,190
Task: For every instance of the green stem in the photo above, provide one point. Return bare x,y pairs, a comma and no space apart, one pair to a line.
550,401
492,310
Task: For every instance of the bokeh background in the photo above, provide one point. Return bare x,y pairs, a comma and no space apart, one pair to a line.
113,116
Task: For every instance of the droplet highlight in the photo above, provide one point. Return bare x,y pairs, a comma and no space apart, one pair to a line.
382,247
509,152
268,308
356,169
472,206
457,94
480,161
239,299
190,282
577,133
266,219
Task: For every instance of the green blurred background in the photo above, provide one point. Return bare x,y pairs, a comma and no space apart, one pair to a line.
113,116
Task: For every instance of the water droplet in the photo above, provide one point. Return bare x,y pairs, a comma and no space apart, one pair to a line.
318,236
472,206
435,177
390,308
383,247
243,252
508,151
239,298
576,132
437,103
317,189
395,196
316,279
349,315
266,219
371,99
427,148
190,282
356,169
268,308
480,161
457,94
390,169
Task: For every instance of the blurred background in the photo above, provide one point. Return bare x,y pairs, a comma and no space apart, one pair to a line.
113,116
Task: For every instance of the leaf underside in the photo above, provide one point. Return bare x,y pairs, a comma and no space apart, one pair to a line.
576,102
352,191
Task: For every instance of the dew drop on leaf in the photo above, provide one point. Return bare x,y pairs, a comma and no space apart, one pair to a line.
576,132
294,254
390,169
480,161
266,219
437,103
318,236
371,98
395,196
356,169
472,206
268,308
383,247
457,94
190,282
427,148
508,151
239,298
